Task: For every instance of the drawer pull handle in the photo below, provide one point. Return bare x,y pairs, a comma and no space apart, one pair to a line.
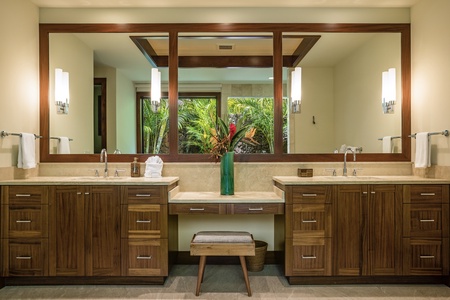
143,221
427,220
79,193
309,221
309,257
427,194
23,221
256,209
426,256
144,257
23,195
309,195
143,195
196,209
23,257
364,193
87,193
372,193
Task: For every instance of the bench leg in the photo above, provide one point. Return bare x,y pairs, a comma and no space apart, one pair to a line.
201,270
244,270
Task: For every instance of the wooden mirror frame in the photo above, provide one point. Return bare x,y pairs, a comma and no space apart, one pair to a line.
277,29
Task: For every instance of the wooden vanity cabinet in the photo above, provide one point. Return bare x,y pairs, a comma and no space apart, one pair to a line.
367,230
308,230
84,231
24,231
144,231
426,230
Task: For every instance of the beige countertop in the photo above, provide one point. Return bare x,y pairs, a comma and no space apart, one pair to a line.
277,196
91,180
295,180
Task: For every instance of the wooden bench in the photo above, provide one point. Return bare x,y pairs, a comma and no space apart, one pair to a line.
222,243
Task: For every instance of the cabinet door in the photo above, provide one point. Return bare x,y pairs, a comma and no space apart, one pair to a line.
67,231
382,244
347,230
102,231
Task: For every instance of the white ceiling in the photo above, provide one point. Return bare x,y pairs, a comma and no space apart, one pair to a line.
227,3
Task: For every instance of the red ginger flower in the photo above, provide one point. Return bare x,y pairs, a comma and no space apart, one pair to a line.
232,130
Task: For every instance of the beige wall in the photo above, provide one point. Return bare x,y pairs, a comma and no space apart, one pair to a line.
355,91
73,56
431,75
19,76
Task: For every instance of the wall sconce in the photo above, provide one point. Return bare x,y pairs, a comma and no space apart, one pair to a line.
155,94
388,91
62,91
296,90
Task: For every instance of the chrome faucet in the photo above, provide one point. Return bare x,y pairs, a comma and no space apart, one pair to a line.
105,155
345,160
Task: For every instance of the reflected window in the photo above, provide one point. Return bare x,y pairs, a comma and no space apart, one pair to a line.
197,114
153,128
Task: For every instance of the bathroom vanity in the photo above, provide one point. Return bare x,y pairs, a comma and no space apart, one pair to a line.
368,229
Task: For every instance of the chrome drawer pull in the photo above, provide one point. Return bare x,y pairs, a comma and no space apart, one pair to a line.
430,220
143,195
372,192
196,209
309,257
23,257
79,193
364,193
309,195
309,221
87,193
143,221
426,256
144,257
23,221
23,195
427,194
256,209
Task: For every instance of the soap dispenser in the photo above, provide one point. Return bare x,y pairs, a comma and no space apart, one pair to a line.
135,168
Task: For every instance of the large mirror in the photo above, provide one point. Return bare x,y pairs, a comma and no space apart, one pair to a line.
110,80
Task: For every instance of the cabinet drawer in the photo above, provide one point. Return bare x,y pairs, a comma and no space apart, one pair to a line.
27,195
311,220
26,221
144,257
422,220
426,193
147,220
142,195
197,208
310,257
311,194
248,208
25,257
425,256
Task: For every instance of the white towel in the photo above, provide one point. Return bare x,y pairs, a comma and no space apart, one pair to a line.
153,167
423,150
63,145
26,158
387,144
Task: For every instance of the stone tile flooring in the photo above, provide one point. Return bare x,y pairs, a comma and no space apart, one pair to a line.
226,282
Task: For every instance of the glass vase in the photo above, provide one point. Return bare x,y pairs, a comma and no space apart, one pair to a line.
227,174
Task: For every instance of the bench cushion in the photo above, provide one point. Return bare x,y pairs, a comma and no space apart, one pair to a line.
223,237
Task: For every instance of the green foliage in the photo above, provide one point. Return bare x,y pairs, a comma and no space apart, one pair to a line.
155,127
196,117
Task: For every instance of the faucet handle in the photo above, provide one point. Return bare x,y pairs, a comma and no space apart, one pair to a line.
356,169
333,171
95,172
116,173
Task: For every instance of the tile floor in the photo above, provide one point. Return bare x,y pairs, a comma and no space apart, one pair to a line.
226,282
